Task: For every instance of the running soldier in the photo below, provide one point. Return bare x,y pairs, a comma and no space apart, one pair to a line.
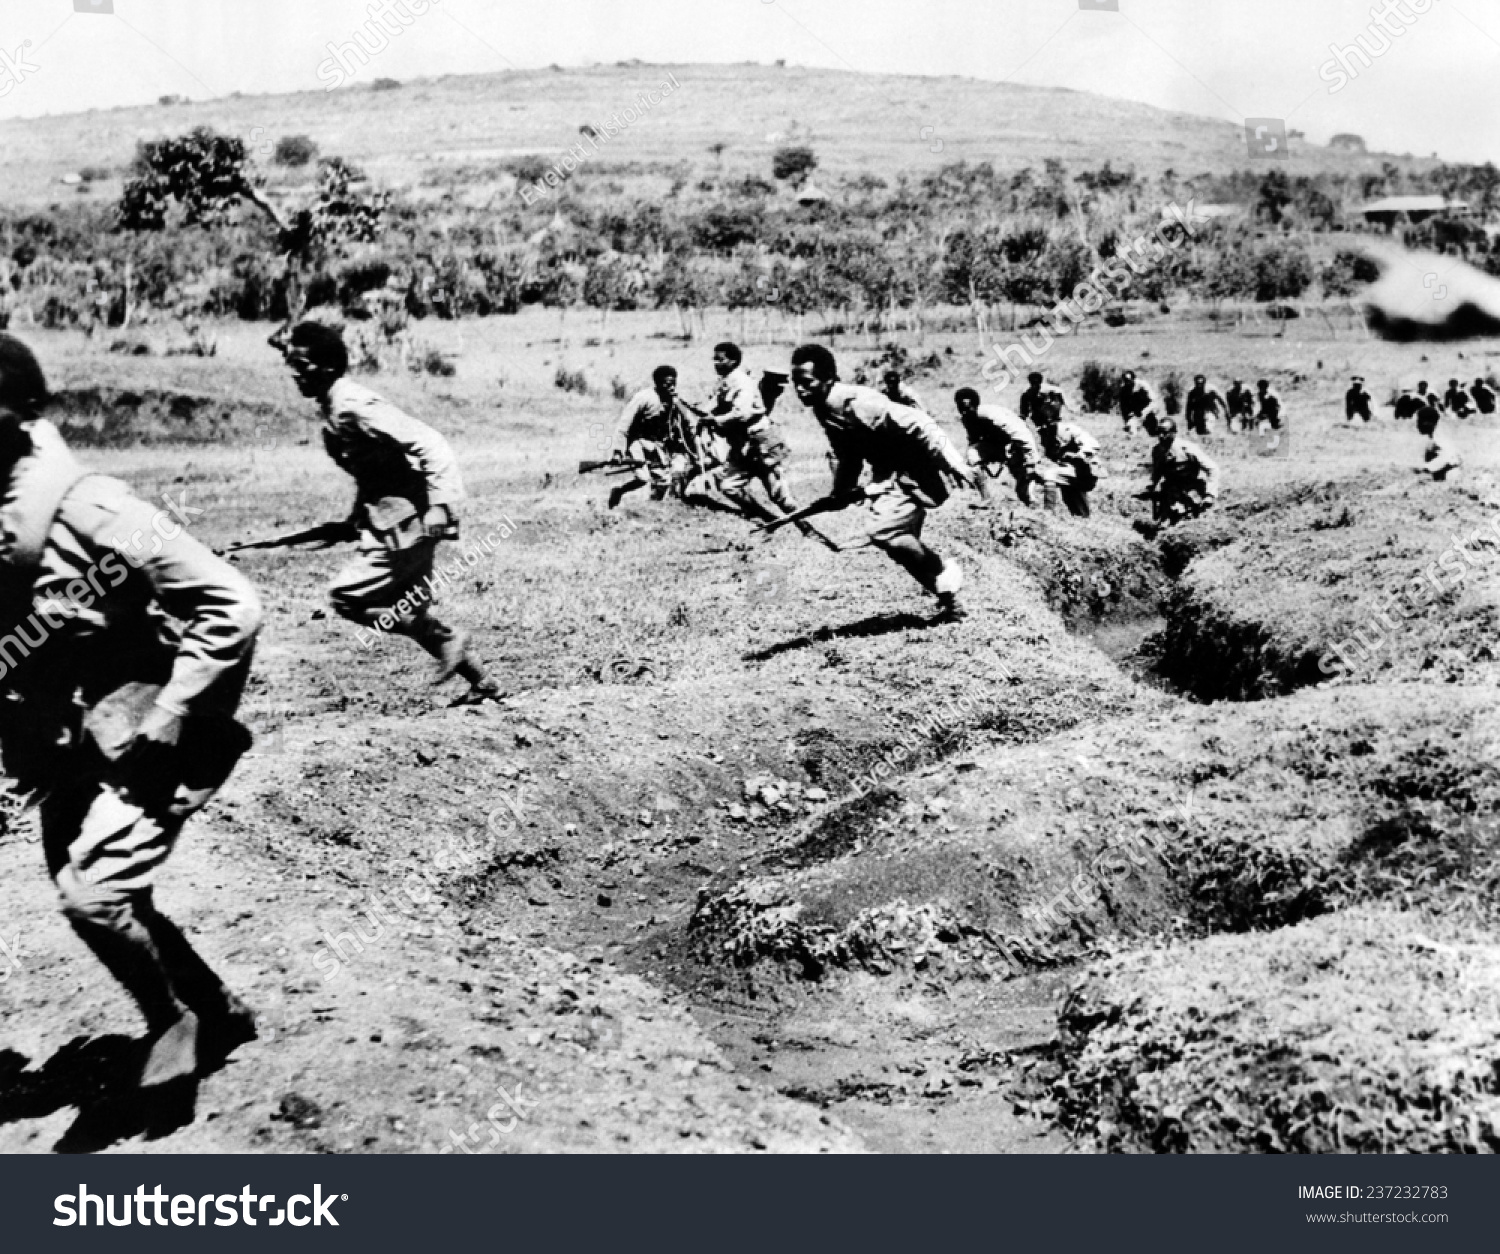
406,487
912,464
1456,400
1484,396
1268,414
895,388
1139,402
1406,404
1439,457
1074,453
1201,403
1357,401
1424,397
120,721
756,450
1241,402
998,438
1184,479
652,432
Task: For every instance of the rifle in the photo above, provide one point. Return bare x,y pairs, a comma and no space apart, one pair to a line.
326,533
825,505
609,464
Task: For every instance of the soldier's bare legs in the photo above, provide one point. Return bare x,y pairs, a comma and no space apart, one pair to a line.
371,591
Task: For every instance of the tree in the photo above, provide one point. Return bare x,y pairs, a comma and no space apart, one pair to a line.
208,175
793,164
294,150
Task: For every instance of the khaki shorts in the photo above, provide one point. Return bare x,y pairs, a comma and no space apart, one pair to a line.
379,578
892,510
764,453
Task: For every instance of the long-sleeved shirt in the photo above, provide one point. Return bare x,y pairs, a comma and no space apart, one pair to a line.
1203,402
1066,441
1181,466
109,560
1241,401
737,405
1269,410
400,466
999,432
895,441
646,417
1138,400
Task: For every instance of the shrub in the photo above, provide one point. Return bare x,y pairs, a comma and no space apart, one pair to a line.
386,84
294,150
793,164
1099,386
571,381
618,389
431,361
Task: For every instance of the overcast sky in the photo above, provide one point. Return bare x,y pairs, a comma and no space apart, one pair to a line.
1433,90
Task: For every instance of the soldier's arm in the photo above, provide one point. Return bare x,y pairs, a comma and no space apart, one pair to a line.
218,608
425,451
923,431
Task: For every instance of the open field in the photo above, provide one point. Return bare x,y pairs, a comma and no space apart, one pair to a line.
695,924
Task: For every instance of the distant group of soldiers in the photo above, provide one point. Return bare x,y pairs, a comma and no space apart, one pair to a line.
730,442
1458,400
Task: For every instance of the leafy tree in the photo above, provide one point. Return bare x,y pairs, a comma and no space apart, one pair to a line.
294,150
793,164
207,176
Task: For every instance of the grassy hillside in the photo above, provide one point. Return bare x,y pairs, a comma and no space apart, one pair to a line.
426,131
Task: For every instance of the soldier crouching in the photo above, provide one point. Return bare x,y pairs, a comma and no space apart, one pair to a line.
121,723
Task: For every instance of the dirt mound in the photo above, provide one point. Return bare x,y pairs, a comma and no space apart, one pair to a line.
1366,1032
1394,579
104,417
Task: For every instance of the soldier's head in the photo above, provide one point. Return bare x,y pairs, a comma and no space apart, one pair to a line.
967,400
23,387
1422,388
1035,378
814,372
23,396
1166,430
317,356
1453,383
1127,378
1358,380
1427,419
1262,385
891,379
727,358
1239,383
1200,379
664,379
